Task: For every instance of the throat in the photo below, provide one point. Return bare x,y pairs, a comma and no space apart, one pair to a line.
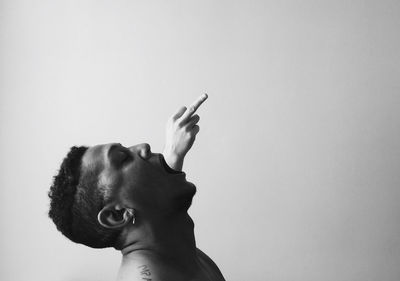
170,239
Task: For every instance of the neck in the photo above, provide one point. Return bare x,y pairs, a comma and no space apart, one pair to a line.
167,238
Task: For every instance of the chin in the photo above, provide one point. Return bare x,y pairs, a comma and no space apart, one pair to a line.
183,205
183,201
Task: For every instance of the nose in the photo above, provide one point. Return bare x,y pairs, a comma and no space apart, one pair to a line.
143,149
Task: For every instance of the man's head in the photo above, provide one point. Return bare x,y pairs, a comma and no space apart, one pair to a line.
96,189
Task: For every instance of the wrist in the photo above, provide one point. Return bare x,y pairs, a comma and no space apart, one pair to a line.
174,161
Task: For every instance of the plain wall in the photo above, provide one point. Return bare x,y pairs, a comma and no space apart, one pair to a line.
297,163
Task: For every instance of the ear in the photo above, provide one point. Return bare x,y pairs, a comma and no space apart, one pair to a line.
114,216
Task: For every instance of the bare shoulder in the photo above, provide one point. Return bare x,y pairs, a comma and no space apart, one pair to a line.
145,268
210,265
135,270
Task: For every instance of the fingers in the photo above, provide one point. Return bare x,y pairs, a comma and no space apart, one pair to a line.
192,109
179,113
195,130
193,121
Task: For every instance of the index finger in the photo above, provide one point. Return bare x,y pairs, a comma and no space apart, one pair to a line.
192,109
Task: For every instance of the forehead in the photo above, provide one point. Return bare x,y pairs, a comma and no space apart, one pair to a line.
93,158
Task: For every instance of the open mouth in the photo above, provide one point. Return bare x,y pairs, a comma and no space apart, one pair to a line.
166,167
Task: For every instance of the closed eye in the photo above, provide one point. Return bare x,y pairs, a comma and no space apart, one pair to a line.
121,157
125,156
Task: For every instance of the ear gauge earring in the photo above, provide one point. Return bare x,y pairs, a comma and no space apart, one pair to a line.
131,214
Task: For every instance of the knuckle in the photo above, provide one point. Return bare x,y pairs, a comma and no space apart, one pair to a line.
194,130
180,123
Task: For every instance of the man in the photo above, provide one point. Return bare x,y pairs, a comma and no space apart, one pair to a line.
135,201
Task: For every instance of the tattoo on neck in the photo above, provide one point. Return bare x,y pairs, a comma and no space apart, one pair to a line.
145,272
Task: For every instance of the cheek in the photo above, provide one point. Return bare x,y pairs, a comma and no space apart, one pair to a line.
139,192
147,188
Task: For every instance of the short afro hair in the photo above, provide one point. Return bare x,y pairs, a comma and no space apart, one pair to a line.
75,201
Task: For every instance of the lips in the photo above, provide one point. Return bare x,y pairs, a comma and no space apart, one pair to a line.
177,174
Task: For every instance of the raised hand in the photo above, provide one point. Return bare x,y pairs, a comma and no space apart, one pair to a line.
181,131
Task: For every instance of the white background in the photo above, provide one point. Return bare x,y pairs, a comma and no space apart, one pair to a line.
297,162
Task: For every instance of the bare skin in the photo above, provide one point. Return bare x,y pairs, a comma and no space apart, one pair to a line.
181,133
149,205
